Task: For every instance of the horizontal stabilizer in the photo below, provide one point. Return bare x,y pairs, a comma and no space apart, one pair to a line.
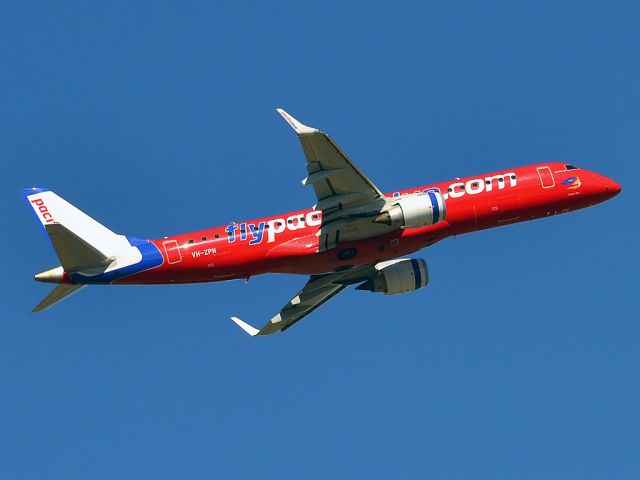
75,253
57,294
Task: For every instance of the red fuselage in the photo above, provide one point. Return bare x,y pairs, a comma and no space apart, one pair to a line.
288,243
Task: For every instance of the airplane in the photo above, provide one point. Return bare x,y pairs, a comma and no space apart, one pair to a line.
353,235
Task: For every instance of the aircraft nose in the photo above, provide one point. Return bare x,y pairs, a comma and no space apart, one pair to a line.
612,186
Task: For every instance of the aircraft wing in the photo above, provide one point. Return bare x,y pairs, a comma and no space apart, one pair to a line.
318,290
347,198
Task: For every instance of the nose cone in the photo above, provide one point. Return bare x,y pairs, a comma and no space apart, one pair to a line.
605,188
612,186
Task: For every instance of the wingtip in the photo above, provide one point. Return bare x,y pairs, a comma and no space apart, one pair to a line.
245,326
297,126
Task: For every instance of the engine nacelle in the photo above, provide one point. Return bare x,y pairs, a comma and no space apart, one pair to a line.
414,211
398,276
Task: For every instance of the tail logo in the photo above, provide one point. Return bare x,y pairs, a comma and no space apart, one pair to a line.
46,215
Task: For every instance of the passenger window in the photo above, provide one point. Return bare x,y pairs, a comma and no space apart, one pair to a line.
204,239
190,241
217,235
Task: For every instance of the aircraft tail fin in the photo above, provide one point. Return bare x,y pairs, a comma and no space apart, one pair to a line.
80,241
57,294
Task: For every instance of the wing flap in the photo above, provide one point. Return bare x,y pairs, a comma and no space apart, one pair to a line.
318,290
321,175
334,201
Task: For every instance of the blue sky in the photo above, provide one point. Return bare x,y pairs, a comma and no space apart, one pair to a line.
520,359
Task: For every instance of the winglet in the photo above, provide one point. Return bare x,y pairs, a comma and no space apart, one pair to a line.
295,124
246,327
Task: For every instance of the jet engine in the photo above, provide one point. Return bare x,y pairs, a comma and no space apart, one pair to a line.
398,276
413,211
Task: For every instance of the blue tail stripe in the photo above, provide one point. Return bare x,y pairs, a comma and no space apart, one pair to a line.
151,258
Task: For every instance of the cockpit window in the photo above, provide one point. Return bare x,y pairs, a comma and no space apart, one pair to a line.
570,167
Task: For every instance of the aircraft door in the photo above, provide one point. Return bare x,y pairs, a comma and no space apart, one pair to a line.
172,251
546,177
